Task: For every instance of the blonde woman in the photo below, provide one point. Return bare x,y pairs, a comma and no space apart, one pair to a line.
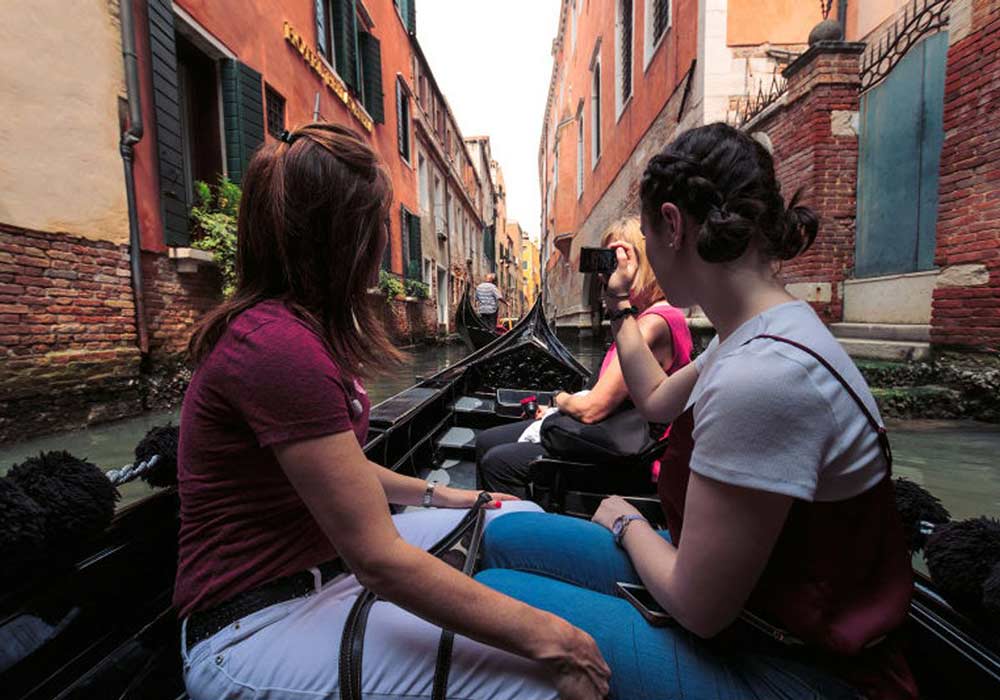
503,463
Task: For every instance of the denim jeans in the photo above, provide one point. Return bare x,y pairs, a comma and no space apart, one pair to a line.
569,567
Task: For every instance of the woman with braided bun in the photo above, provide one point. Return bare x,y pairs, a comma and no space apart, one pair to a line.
784,567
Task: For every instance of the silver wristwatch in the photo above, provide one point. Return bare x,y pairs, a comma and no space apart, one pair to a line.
428,494
620,525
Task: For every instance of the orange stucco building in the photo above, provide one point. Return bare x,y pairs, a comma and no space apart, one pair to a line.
107,286
627,75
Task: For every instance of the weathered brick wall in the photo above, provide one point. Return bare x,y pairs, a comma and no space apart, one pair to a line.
816,151
67,332
409,321
966,306
174,303
68,350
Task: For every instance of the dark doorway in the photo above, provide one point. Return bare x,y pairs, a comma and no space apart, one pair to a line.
198,88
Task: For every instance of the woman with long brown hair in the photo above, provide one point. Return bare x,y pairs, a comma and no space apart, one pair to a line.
283,518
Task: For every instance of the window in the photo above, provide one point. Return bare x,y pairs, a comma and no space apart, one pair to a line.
658,21
555,167
410,230
579,150
403,120
595,114
407,13
425,195
572,25
623,46
337,38
275,111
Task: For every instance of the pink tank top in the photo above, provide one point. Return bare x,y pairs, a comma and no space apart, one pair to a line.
679,334
680,337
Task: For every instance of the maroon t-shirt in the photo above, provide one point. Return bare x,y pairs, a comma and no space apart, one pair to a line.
269,380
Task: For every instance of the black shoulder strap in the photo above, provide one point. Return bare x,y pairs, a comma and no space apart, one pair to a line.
353,638
880,431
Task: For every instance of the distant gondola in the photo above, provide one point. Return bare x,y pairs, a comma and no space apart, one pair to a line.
103,627
474,331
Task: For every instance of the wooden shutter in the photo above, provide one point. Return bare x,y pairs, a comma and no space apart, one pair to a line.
166,101
387,254
411,16
403,120
345,41
404,238
371,69
416,252
243,108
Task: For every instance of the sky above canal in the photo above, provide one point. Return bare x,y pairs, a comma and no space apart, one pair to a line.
493,60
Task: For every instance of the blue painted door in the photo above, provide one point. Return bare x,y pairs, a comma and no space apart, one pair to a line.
898,162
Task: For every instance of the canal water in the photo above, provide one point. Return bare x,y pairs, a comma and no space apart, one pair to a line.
959,461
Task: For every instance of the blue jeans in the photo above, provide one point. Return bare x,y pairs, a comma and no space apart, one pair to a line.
569,567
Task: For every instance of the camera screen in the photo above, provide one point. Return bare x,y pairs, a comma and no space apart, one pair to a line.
603,260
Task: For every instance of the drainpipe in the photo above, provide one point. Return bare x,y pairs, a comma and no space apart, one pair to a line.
131,136
842,16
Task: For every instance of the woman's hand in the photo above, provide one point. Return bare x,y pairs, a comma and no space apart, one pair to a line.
619,284
560,399
579,669
447,497
611,509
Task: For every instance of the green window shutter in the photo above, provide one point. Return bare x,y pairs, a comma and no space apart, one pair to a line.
166,101
387,255
243,110
416,252
345,42
408,10
404,237
403,120
321,27
371,69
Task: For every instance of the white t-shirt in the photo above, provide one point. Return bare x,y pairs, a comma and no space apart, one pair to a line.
768,416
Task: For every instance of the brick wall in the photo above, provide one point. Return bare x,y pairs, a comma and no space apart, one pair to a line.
410,321
67,332
816,151
966,305
174,303
68,351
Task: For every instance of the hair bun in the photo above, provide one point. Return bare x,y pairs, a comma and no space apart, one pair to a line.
724,236
801,224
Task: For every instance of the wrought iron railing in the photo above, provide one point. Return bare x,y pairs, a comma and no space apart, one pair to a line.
767,93
920,18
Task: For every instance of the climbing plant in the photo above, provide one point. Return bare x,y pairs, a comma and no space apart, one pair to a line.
213,226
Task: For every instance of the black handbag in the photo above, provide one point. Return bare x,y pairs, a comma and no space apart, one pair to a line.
621,438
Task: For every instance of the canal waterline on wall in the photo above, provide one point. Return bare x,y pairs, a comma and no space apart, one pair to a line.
959,461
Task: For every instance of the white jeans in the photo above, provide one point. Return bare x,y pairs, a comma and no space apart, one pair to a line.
291,650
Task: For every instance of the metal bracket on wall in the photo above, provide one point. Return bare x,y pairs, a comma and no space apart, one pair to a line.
920,18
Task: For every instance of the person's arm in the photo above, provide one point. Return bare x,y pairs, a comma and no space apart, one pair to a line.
611,388
345,496
729,532
760,439
659,397
499,296
404,490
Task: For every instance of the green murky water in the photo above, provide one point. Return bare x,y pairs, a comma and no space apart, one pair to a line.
959,461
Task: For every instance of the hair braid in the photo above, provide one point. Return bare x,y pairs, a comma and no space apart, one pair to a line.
725,180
